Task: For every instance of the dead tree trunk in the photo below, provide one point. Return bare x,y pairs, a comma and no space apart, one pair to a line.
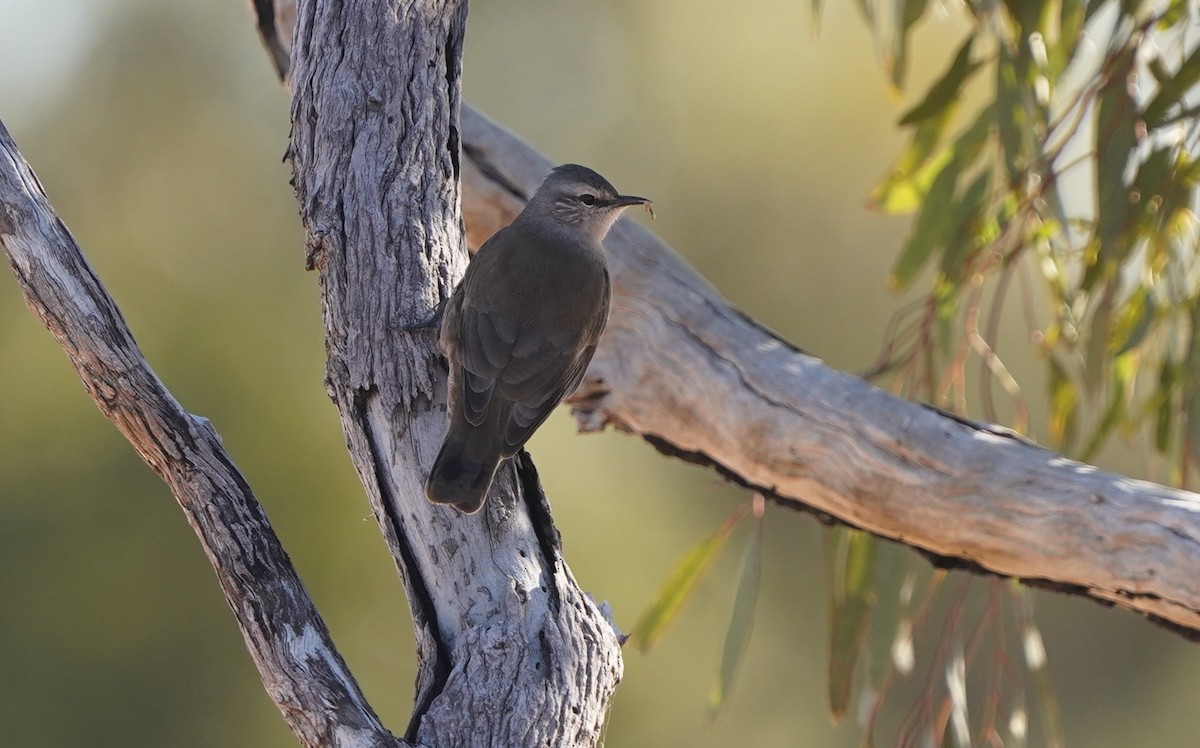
511,651
698,379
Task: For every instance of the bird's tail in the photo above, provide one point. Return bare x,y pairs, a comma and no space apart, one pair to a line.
463,472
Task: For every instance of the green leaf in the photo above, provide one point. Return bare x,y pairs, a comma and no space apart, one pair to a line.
906,186
1064,401
1013,87
1137,316
1165,417
932,228
852,597
1155,177
1070,25
678,588
1173,90
964,232
943,94
910,179
1176,11
946,305
1116,139
1025,13
906,13
1099,342
741,621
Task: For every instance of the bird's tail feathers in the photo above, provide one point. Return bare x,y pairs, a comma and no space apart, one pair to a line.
462,474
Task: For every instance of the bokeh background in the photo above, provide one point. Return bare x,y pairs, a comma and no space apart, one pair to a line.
158,131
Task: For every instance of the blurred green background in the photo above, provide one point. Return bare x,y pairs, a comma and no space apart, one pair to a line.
158,131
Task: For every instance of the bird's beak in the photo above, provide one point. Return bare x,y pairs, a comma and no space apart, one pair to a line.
623,201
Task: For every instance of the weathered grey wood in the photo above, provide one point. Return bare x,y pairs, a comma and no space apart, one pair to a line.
694,376
681,367
286,637
511,652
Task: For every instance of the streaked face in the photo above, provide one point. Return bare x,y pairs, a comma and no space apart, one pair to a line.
581,198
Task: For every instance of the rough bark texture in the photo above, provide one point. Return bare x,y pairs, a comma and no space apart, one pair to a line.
286,637
699,380
511,651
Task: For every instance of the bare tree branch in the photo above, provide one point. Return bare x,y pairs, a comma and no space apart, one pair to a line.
511,651
699,380
289,642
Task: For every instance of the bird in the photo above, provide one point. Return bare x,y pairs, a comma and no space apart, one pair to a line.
521,327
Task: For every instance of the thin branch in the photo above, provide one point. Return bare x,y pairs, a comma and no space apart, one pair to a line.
286,637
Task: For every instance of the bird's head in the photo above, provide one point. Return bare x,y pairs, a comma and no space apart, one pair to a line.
579,197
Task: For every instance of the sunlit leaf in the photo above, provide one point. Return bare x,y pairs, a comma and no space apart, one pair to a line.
678,588
1064,400
906,186
1092,7
1137,317
932,227
944,93
741,621
852,596
1176,11
911,177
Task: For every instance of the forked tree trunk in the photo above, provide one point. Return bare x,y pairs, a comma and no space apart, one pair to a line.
511,651
699,380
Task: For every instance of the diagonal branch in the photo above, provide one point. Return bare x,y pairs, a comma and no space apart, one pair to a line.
289,642
699,380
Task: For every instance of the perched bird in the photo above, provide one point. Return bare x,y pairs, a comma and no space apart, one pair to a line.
521,327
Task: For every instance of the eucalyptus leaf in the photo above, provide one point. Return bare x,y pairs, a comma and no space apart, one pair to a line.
678,589
852,597
741,621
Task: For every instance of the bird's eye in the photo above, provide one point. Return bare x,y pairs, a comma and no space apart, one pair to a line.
587,199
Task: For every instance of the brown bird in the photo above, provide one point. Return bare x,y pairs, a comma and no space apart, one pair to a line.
521,327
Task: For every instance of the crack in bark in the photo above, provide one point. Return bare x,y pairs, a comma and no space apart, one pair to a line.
420,601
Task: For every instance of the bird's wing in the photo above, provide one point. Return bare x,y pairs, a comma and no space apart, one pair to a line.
486,341
524,359
527,415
